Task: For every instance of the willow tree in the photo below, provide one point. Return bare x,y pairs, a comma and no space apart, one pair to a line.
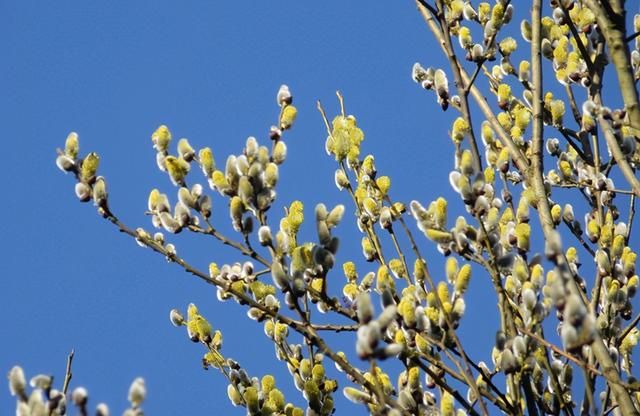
533,115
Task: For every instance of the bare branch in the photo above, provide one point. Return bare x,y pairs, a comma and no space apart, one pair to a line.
68,374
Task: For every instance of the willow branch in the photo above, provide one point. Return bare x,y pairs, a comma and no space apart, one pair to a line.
307,331
516,154
619,157
600,351
460,86
613,29
246,250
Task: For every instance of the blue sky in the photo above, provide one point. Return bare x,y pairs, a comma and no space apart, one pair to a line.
114,71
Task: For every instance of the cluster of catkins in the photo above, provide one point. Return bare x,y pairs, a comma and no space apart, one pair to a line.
309,377
503,224
412,317
491,19
412,324
89,185
248,179
46,400
309,262
258,397
412,397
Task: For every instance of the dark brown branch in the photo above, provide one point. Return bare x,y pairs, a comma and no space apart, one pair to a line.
632,37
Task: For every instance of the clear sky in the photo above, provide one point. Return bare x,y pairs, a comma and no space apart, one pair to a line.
113,71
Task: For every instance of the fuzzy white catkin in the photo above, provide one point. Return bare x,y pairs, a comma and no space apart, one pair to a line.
79,396
137,392
17,381
176,317
102,410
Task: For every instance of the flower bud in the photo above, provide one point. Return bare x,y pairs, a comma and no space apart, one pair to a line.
176,317
271,175
335,216
102,410
65,163
169,223
83,191
368,250
89,166
386,218
447,407
341,179
79,396
100,192
161,138
442,87
280,278
523,236
185,150
392,350
186,197
462,279
508,362
177,169
205,157
71,145
264,235
17,381
553,245
364,308
234,395
405,400
182,214
245,190
526,30
356,396
251,398
205,205
569,336
289,114
236,209
284,96
279,153
160,157
311,392
41,381
529,298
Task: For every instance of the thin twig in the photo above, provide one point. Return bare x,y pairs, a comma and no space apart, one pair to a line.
335,327
579,238
514,151
460,85
631,37
632,212
475,74
619,157
628,329
68,374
